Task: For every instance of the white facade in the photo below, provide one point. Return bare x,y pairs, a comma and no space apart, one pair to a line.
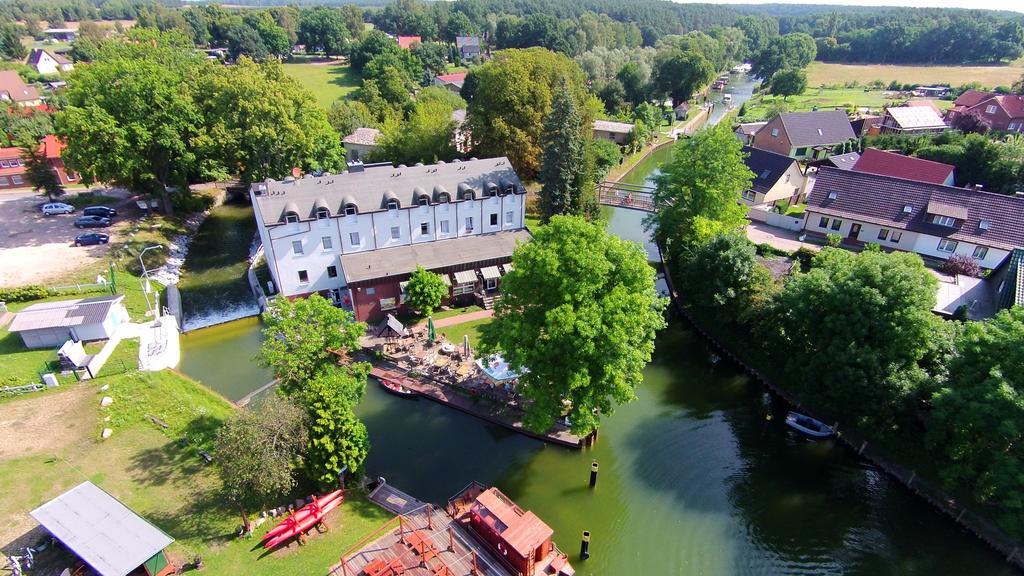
47,64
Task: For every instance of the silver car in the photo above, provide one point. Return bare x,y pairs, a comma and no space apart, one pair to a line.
57,208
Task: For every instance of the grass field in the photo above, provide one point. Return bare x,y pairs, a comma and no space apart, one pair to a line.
455,333
327,82
819,73
760,107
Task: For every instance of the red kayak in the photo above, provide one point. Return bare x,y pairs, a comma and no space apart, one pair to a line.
302,513
302,525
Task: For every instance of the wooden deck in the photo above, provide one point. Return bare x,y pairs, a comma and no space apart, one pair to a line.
421,542
505,416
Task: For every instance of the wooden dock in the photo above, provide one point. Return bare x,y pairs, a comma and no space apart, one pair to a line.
504,416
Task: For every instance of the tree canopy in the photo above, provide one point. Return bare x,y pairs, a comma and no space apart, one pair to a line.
337,438
565,176
789,82
577,318
425,291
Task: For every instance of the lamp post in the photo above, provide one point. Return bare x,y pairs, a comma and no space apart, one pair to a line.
145,274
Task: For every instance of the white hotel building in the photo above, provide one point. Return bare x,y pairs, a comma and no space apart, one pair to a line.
355,237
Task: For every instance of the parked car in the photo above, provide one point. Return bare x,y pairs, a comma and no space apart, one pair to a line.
57,208
103,211
91,239
92,222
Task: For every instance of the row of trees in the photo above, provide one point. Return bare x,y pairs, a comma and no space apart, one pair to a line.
819,331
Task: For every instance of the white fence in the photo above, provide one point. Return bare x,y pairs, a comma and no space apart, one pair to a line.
778,220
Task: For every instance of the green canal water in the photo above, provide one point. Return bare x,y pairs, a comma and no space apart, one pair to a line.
695,478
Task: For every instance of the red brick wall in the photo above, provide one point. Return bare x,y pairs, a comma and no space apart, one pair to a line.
367,306
765,141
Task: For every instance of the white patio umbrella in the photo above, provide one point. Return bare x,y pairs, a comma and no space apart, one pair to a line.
465,344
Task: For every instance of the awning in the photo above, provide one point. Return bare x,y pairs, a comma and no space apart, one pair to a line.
490,273
506,267
465,277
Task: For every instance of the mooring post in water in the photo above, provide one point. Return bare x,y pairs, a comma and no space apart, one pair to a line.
593,474
585,545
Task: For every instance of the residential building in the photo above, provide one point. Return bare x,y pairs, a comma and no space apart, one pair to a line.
51,324
452,82
745,132
617,132
1002,112
866,124
14,91
13,169
911,120
875,161
1008,281
776,177
842,161
931,91
805,135
61,34
406,42
681,110
356,237
468,46
360,144
932,220
46,62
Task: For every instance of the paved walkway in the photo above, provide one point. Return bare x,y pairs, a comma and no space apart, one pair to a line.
788,240
462,318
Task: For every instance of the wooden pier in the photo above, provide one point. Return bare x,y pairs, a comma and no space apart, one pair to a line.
506,416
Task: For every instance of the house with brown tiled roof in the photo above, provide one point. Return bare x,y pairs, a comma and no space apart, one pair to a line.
932,220
875,161
14,91
805,135
1002,112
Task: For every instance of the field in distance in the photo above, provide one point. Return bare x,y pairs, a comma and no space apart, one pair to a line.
819,73
328,80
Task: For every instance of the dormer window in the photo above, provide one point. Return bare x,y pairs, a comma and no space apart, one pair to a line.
510,189
908,208
322,213
443,198
492,191
424,201
291,218
943,220
351,210
392,204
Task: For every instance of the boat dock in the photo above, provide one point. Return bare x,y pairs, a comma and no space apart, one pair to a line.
509,417
421,541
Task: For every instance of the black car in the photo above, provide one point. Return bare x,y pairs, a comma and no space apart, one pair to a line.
102,211
92,222
91,239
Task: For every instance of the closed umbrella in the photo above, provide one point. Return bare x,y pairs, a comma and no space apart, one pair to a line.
465,344
430,329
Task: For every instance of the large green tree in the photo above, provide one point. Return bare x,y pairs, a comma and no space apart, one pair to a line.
256,451
565,177
425,291
10,41
696,193
305,334
577,317
427,135
681,73
794,50
323,29
337,439
789,82
724,278
857,331
977,419
509,98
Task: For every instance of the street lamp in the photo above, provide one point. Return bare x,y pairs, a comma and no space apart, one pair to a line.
145,275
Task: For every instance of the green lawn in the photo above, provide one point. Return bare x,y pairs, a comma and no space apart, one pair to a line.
761,107
327,82
455,333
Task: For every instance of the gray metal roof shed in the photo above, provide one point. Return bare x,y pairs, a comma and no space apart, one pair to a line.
101,530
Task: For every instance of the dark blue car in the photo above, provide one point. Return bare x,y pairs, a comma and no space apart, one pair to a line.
91,239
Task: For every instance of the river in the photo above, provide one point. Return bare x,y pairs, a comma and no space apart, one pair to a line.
695,479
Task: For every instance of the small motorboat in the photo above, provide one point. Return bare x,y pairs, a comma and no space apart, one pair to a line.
395,387
810,426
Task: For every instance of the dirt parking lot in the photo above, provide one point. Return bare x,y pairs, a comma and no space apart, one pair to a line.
37,249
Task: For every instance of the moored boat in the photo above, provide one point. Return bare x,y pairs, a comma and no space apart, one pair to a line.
395,387
302,513
303,525
810,426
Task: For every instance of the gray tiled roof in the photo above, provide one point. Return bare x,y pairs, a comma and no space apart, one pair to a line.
372,264
64,313
615,127
881,200
369,188
817,128
844,161
363,136
768,167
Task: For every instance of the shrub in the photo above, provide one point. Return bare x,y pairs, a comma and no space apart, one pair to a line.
834,240
962,264
764,249
186,202
23,293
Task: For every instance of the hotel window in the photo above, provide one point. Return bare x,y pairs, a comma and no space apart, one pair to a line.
4,181
837,224
303,276
5,164
396,232
442,198
494,219
424,201
291,218
943,220
947,245
353,238
749,195
883,234
508,217
444,226
469,224
332,271
990,109
392,204
297,247
896,236
823,223
980,252
322,213
328,244
351,210
424,228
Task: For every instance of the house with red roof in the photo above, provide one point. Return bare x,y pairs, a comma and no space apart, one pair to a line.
452,82
875,161
1002,112
406,42
13,169
14,91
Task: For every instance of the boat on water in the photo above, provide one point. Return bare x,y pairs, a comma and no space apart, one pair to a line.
395,387
810,426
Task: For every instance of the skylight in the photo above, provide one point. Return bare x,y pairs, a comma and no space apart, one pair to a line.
765,174
984,224
833,195
908,208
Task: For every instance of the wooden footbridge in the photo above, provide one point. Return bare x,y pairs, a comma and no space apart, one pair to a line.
631,196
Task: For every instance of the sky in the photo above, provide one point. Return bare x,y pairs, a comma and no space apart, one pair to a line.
1015,5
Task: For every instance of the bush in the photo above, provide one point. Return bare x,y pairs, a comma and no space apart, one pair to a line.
804,255
834,240
186,202
766,250
961,264
24,293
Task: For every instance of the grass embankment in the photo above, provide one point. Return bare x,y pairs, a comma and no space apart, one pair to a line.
328,81
819,73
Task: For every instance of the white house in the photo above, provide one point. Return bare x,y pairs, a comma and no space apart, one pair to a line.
455,218
617,132
932,220
50,324
46,62
776,178
360,144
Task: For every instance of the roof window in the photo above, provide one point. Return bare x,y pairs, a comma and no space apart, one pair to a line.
765,174
833,195
908,208
984,225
